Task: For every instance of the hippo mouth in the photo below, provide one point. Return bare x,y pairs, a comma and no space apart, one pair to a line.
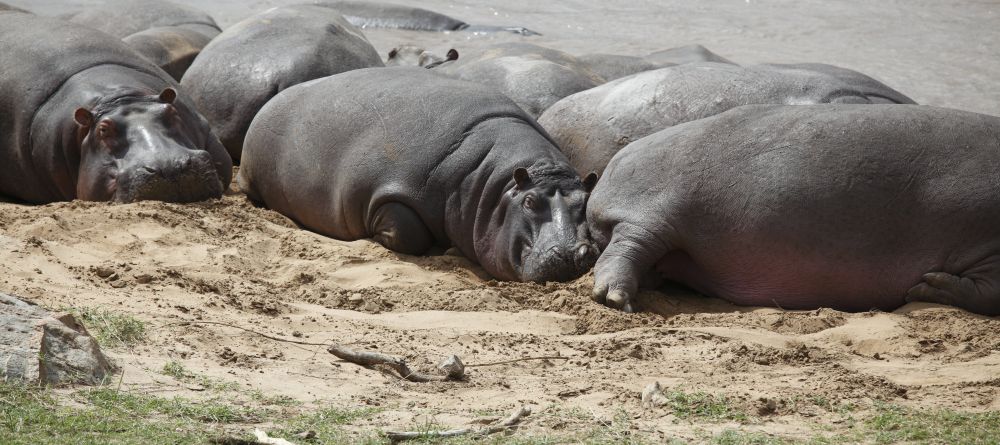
558,264
192,185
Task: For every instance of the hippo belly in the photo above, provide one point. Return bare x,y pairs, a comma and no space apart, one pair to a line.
845,206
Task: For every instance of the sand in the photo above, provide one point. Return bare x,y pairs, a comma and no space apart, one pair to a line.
227,261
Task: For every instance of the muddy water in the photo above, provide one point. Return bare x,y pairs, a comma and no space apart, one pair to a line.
939,53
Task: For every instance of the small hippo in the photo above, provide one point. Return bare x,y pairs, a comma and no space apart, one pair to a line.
415,160
535,77
616,66
90,119
410,55
168,34
245,66
365,14
591,126
851,207
686,54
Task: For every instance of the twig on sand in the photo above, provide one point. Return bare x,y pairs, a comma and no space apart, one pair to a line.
371,359
507,424
522,359
271,337
263,438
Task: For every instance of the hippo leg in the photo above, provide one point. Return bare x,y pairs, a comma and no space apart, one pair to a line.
630,255
975,293
400,229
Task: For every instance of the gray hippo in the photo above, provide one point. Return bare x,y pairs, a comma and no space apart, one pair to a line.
685,54
410,55
852,207
535,77
591,126
168,34
416,160
245,66
616,66
90,119
365,14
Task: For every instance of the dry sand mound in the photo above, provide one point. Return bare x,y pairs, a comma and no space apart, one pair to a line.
228,261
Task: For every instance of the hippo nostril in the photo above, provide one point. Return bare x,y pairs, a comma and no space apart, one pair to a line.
149,170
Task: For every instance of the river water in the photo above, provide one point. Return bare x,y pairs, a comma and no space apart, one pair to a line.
944,53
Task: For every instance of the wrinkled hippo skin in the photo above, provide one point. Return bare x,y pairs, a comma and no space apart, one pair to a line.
616,66
686,54
365,14
534,77
165,33
415,160
245,66
782,206
591,126
90,119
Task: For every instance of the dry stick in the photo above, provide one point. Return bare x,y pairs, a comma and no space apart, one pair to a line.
523,359
510,422
369,359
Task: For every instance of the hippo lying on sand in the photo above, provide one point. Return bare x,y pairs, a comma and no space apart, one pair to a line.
168,34
535,77
90,119
387,15
591,126
852,207
616,66
416,160
243,68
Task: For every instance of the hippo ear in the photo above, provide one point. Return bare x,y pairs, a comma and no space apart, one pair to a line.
452,54
590,181
168,95
393,52
83,117
521,178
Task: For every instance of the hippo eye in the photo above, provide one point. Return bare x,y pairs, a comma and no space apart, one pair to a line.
105,129
529,202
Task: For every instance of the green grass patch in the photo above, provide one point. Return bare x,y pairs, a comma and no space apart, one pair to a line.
702,406
111,329
893,424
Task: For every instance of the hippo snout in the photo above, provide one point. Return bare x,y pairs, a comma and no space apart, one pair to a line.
560,263
187,178
585,255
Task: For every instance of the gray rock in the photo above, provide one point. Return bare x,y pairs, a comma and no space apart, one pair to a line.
39,347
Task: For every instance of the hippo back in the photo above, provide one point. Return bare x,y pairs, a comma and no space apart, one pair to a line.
245,66
57,50
593,125
122,18
329,151
387,15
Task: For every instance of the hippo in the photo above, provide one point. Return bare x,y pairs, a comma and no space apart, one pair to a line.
245,66
853,207
365,15
591,126
686,54
415,160
616,66
90,119
535,77
410,55
168,34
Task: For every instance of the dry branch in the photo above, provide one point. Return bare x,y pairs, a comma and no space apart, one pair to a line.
510,422
371,359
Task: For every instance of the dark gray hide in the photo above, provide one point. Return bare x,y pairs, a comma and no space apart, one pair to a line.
168,34
533,76
686,54
410,55
46,156
615,66
591,126
845,206
416,160
391,16
245,66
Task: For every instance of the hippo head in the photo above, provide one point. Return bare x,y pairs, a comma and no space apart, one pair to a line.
137,147
409,55
545,235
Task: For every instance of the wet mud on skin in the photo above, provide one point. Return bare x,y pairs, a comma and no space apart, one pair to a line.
228,261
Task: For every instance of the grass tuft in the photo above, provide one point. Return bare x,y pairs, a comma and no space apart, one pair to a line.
112,329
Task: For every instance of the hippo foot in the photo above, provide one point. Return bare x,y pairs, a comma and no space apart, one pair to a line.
398,228
953,290
616,299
